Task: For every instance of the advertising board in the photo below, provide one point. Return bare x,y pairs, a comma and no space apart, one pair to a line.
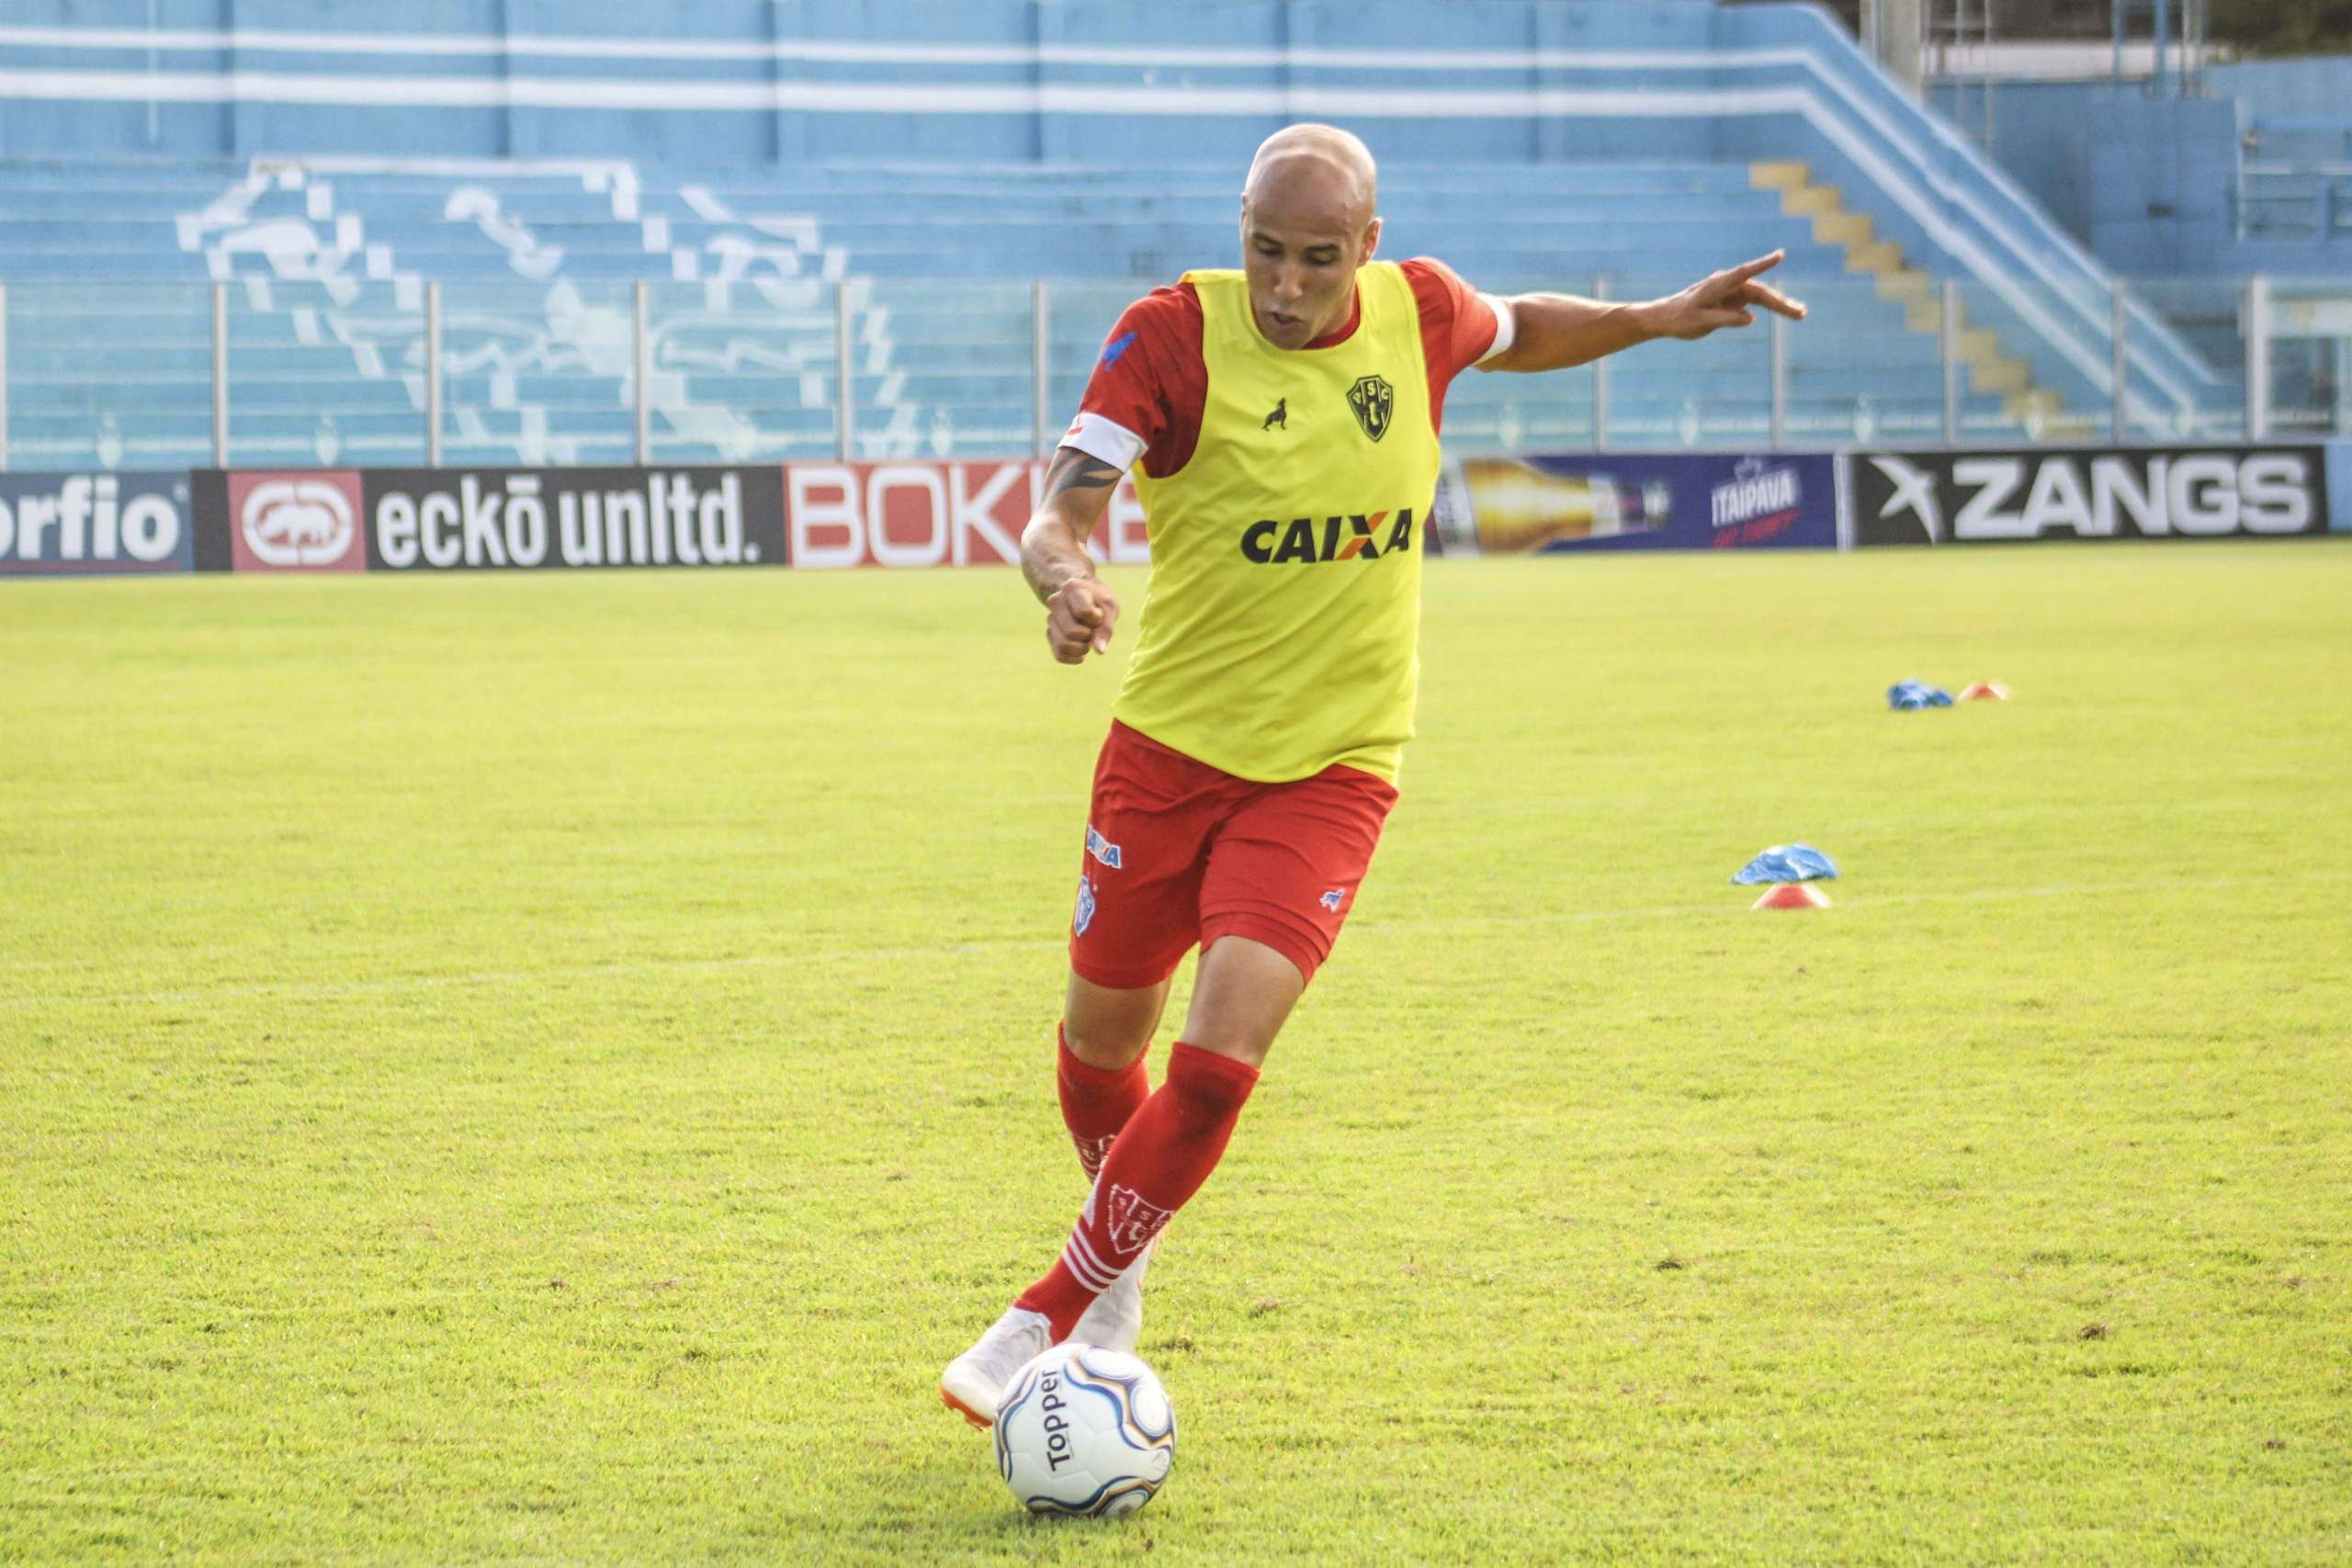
2018,494
918,513
307,521
95,524
486,519
1637,500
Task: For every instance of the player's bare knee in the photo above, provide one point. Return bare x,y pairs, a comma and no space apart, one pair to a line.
1245,992
1109,1049
1106,1027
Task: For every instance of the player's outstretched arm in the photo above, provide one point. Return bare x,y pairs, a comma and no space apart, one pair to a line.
1555,330
1079,610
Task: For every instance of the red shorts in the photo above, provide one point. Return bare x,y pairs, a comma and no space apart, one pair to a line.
1179,853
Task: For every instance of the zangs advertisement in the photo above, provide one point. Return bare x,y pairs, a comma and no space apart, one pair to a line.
1591,500
2023,494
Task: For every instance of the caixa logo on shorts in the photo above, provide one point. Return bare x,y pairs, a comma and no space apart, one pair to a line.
1362,535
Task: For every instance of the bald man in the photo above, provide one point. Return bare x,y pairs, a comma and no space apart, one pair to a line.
1282,424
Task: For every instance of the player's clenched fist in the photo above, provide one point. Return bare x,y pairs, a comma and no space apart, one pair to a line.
1078,617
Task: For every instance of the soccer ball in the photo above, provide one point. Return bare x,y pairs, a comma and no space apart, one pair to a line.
1084,1430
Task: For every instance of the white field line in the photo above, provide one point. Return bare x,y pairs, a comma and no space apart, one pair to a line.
1735,904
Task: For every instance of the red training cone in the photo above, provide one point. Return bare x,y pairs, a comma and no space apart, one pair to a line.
1793,896
1988,691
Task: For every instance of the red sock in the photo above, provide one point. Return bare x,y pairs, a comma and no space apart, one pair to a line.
1167,1150
1097,1102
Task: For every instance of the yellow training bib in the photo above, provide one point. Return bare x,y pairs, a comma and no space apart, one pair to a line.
1281,623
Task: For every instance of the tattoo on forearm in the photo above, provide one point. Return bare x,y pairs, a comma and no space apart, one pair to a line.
1074,469
1046,562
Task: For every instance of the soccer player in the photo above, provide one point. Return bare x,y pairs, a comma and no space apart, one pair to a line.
1281,422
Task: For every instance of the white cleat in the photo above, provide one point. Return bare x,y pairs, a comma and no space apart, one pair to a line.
1116,1320
974,1381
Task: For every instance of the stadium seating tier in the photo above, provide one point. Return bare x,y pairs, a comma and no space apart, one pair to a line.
109,272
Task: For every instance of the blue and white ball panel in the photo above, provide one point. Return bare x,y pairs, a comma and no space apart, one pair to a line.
1146,1420
1084,1431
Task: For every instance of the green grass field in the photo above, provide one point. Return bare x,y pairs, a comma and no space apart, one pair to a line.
548,1068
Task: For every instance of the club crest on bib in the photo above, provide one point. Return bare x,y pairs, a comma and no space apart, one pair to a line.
1372,400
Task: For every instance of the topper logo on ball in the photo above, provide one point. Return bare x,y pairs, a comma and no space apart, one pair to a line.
1055,1425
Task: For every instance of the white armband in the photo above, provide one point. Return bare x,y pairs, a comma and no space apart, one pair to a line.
1107,439
1505,327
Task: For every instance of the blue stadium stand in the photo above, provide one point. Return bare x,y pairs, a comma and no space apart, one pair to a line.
110,315
935,231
